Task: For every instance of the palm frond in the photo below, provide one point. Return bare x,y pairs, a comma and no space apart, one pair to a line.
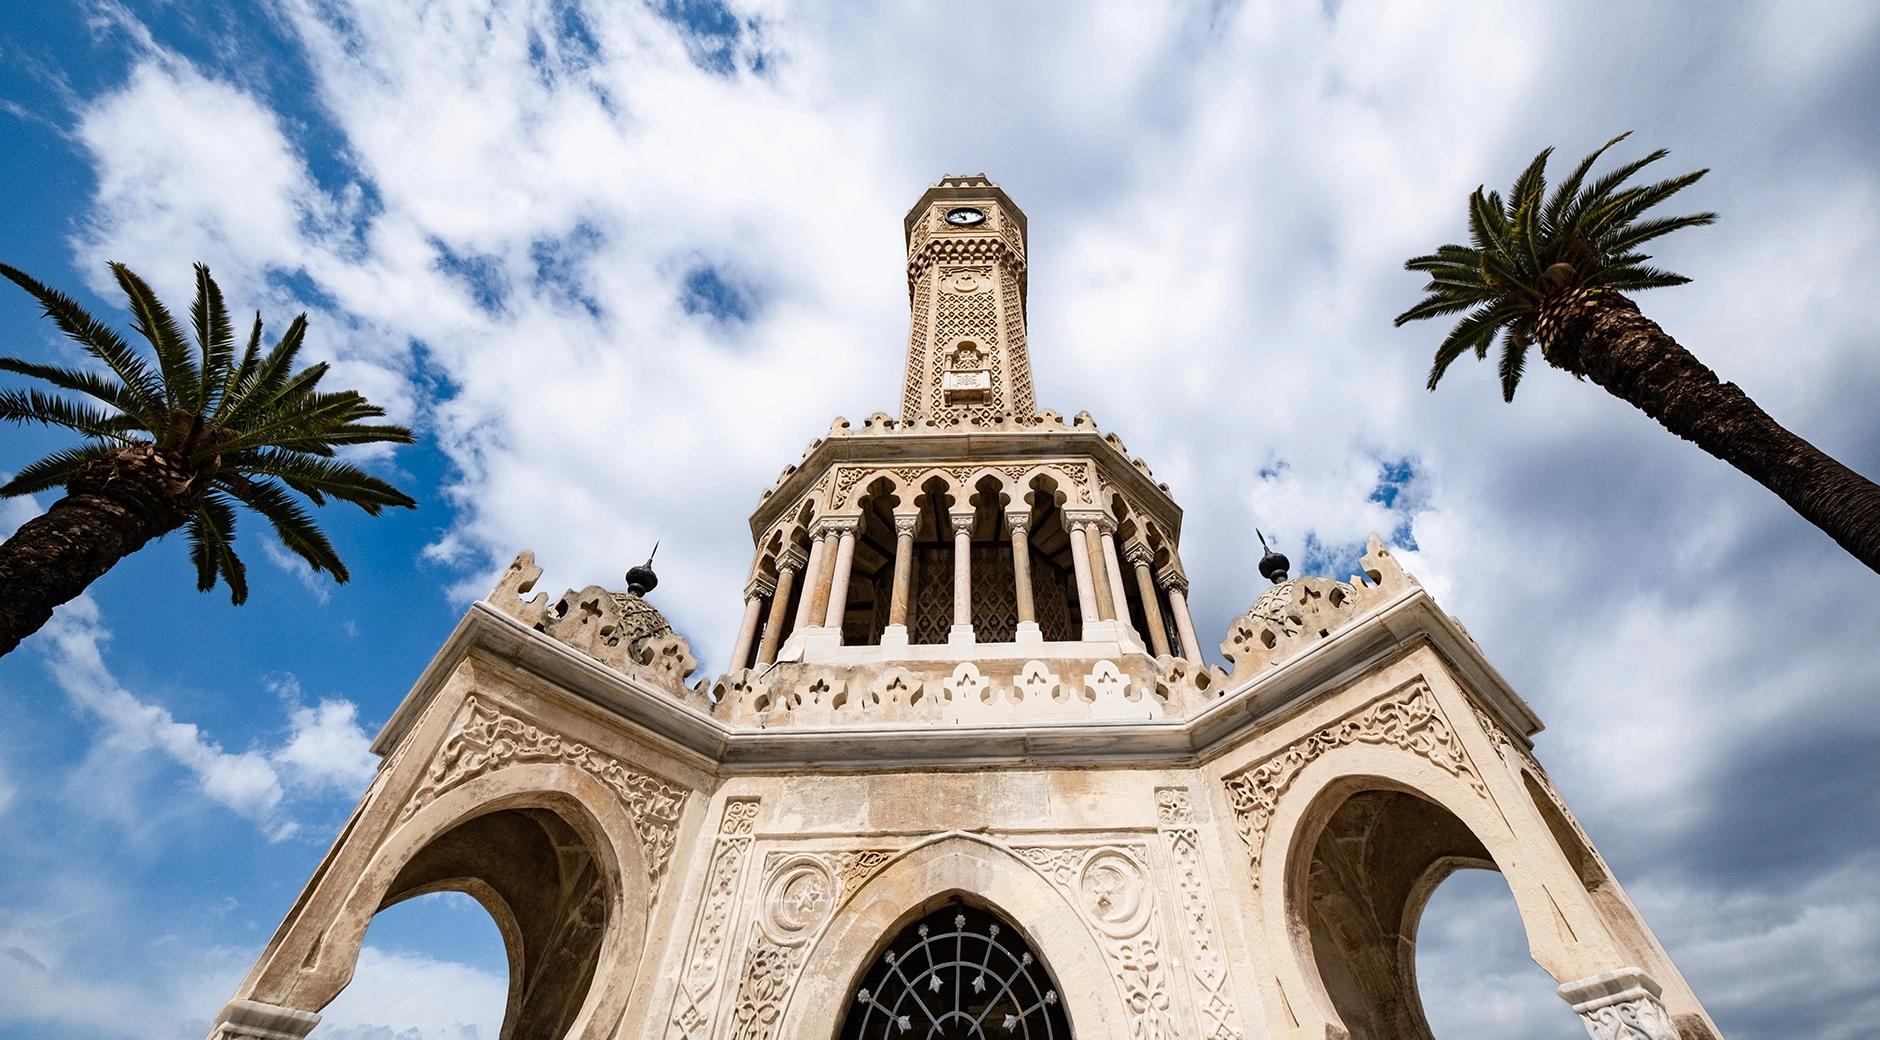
55,470
1472,333
96,338
215,337
211,533
1514,348
1569,189
318,478
33,406
292,525
92,384
261,383
153,321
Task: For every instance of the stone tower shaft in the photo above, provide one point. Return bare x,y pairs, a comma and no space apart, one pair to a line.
966,356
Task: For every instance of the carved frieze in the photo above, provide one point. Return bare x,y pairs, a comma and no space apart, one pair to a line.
487,739
693,1008
1181,841
1408,720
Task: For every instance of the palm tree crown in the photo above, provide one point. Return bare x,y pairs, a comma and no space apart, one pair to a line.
1530,256
224,430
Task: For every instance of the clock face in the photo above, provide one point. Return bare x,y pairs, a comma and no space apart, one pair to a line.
966,216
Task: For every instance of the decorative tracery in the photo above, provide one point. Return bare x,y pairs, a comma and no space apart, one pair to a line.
956,974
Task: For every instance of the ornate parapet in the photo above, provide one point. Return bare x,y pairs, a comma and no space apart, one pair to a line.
618,629
967,694
1294,615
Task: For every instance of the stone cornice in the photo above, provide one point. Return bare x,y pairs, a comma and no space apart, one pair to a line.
1406,621
984,447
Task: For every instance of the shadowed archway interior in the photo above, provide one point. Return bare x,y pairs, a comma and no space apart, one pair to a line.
959,972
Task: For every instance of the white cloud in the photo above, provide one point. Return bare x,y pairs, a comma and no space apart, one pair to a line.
327,751
73,642
401,995
327,748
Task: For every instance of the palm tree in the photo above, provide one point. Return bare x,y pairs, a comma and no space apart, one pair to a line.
1554,271
179,445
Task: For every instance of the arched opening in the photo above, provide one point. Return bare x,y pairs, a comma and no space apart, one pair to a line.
871,574
1126,533
958,973
1474,976
1372,872
1053,575
542,883
995,597
434,967
930,614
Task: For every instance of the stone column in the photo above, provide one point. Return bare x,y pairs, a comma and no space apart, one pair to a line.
808,610
1113,572
1019,524
246,1019
1093,542
788,565
754,594
896,632
1142,559
1176,585
1620,1005
1080,562
962,580
844,532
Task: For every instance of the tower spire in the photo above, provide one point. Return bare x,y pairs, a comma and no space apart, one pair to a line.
966,356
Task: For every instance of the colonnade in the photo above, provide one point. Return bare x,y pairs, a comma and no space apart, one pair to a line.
824,572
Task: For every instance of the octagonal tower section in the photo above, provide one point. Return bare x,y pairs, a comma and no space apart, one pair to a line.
976,557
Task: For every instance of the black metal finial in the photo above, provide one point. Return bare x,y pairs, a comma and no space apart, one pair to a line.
1273,566
641,580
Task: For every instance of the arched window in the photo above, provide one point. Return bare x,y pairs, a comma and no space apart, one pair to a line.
958,973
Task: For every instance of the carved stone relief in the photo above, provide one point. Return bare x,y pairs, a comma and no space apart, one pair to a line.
694,1005
1110,885
487,739
1408,719
1219,1019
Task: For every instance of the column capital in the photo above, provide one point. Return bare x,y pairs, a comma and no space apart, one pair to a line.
762,585
906,523
962,525
1173,580
1017,522
791,559
1138,554
1623,1002
1094,517
836,525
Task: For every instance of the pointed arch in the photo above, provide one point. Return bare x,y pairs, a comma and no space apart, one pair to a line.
557,810
931,875
1358,840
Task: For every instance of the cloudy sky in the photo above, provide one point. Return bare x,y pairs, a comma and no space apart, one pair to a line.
618,262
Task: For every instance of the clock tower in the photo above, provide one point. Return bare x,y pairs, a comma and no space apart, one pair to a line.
966,359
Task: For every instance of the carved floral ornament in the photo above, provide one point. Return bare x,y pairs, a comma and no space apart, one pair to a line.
1292,616
1408,720
487,739
618,630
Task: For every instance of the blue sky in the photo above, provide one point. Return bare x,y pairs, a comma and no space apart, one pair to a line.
618,263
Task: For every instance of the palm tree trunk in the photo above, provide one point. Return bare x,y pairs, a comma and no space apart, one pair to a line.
108,512
1636,361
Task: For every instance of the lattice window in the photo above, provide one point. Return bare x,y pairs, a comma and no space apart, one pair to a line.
1051,598
933,594
995,594
958,974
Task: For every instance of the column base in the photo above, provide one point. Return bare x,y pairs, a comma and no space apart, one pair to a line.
1620,1003
960,635
894,637
1107,632
1028,632
253,1020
